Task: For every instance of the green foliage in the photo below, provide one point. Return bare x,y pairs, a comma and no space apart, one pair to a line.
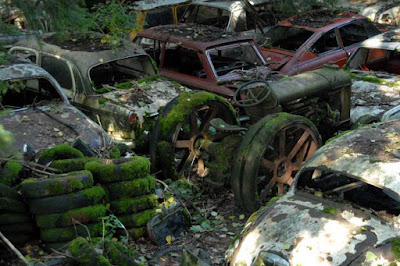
61,151
330,210
111,223
10,172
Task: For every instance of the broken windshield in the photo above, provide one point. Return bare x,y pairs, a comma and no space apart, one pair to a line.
122,70
207,15
376,60
233,57
339,187
286,38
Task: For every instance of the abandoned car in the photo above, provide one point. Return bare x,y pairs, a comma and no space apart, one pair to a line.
342,209
120,91
282,135
34,108
308,41
375,69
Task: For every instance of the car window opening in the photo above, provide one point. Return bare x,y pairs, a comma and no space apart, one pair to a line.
30,92
183,60
339,187
286,38
379,60
206,15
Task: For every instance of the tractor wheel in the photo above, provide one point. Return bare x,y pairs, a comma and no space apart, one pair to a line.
271,152
179,148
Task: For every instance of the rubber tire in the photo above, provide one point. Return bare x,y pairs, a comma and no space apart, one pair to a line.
12,218
245,191
11,205
134,205
131,189
136,219
63,234
17,228
63,203
114,252
17,238
8,192
365,120
47,187
134,233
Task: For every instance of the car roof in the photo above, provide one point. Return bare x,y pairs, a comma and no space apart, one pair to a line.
389,41
84,60
228,5
320,20
368,154
193,36
151,4
22,70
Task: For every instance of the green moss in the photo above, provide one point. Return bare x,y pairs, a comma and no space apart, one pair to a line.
396,247
102,261
134,188
330,210
61,151
137,219
186,102
10,172
70,165
148,79
119,254
273,199
69,233
373,79
83,215
142,139
103,90
94,193
338,135
129,205
166,151
85,254
102,172
102,100
115,153
124,85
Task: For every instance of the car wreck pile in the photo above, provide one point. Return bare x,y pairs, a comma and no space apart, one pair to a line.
220,109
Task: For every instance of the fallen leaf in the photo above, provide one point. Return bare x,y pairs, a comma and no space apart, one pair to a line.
197,235
232,217
108,206
236,224
60,134
196,228
286,246
241,217
370,256
169,239
56,129
214,214
64,115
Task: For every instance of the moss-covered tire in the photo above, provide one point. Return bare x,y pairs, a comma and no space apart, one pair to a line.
21,228
118,254
9,173
185,122
85,253
63,203
137,167
12,218
60,246
90,214
8,192
68,233
134,232
12,205
17,238
136,219
57,185
134,205
72,165
131,189
271,152
61,151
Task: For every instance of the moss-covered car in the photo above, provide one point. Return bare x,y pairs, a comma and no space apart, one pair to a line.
34,108
342,210
117,89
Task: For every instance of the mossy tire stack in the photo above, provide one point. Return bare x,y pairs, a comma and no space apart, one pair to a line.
15,221
65,206
131,192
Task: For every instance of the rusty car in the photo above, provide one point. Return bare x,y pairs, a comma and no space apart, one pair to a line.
282,113
342,209
308,41
119,90
375,69
34,108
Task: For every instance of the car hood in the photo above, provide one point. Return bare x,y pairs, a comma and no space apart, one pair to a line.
307,230
275,60
44,126
146,96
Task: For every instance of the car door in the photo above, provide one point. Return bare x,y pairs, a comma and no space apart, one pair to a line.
326,49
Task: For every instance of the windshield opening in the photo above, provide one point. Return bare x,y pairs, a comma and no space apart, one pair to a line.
338,187
286,38
206,15
376,60
227,59
27,92
112,73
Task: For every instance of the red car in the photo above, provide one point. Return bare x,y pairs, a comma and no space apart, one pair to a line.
308,41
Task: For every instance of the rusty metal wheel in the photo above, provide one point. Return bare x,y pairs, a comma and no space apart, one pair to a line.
270,154
184,154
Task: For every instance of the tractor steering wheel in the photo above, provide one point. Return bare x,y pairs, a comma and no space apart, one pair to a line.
252,95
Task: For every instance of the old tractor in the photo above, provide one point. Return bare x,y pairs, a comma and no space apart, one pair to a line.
258,142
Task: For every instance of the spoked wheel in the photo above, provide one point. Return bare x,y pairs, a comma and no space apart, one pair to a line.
269,156
186,139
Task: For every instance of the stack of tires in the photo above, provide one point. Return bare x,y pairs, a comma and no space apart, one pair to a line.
15,221
65,206
130,189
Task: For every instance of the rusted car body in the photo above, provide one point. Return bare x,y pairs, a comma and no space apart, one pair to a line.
35,109
308,41
375,69
90,80
154,13
342,210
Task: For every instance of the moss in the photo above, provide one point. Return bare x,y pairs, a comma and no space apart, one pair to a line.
137,219
10,172
14,218
102,261
186,102
129,205
373,79
70,165
119,254
102,100
273,199
94,193
338,135
142,139
137,167
330,210
83,215
115,153
148,79
61,151
130,189
7,204
396,247
124,85
166,155
69,233
84,253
